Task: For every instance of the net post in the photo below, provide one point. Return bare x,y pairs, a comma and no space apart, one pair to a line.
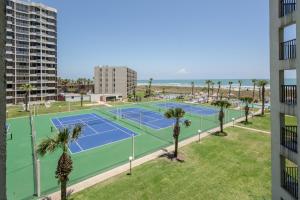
38,179
133,153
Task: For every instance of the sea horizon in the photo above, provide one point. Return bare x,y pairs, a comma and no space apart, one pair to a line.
201,82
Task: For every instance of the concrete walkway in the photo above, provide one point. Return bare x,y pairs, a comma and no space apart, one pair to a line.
124,168
253,129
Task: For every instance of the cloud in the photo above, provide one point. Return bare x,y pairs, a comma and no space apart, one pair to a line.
182,71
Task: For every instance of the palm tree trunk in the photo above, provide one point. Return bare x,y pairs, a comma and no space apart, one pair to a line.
253,94
221,119
221,126
239,92
176,147
263,100
208,88
63,190
246,113
26,101
2,105
229,92
176,135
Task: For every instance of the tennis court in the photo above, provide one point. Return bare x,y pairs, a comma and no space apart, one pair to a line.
198,110
97,131
145,117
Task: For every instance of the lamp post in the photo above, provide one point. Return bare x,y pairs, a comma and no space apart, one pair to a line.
233,122
130,161
199,133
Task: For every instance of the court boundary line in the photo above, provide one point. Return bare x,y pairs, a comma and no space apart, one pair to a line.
146,123
112,125
94,116
190,110
74,140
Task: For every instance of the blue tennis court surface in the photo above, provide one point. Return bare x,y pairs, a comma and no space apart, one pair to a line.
97,131
148,118
198,110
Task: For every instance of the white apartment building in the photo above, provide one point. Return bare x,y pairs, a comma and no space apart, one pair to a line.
114,80
31,51
285,59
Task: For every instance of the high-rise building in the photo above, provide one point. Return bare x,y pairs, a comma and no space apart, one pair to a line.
285,62
114,80
31,51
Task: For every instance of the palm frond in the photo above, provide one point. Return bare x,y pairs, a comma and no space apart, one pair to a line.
187,123
76,132
169,114
47,145
179,112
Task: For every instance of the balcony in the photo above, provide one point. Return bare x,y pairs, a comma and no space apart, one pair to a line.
288,138
287,50
289,180
287,7
289,94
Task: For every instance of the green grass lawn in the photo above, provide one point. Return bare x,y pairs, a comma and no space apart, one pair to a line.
59,106
88,163
237,166
264,122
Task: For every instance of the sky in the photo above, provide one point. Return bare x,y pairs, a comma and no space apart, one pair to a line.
164,39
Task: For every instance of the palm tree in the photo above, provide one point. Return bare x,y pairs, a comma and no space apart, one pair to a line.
219,87
212,87
148,88
27,88
65,163
229,90
193,85
176,114
208,87
222,104
254,84
262,84
247,101
65,83
240,85
81,97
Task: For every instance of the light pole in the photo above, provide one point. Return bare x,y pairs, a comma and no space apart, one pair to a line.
199,133
233,122
130,161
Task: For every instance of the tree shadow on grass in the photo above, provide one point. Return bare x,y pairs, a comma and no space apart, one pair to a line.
246,123
170,156
220,134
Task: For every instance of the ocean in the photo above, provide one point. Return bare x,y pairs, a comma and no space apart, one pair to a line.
246,83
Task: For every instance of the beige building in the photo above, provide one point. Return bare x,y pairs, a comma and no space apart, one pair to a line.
115,80
284,60
31,51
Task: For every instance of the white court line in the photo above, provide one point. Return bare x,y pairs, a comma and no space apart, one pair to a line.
89,127
110,123
73,140
149,123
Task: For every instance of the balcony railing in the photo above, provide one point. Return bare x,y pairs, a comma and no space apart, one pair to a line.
289,180
287,50
289,94
287,7
288,137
